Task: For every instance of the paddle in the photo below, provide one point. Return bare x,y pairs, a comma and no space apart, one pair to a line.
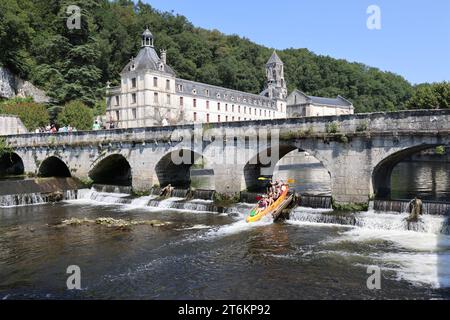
290,181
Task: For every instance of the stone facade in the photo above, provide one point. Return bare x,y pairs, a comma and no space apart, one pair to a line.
359,157
302,105
150,94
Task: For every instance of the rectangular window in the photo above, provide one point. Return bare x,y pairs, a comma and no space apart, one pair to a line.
133,83
155,81
232,119
155,97
232,108
207,104
255,111
239,110
260,113
265,113
168,99
218,118
167,84
195,116
218,106
226,119
239,119
117,115
117,100
133,98
180,87
226,107
207,117
245,110
181,101
134,113
194,102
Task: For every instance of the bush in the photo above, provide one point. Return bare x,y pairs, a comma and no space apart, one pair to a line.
33,115
77,115
332,127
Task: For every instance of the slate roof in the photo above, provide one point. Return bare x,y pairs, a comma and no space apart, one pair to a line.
274,59
223,94
147,59
337,102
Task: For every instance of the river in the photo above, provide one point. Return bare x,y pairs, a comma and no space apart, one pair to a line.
317,254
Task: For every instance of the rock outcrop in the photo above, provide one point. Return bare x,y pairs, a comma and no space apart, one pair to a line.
12,86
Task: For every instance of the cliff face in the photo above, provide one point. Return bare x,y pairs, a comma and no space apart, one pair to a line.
12,86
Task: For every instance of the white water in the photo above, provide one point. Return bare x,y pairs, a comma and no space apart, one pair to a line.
126,202
32,199
421,257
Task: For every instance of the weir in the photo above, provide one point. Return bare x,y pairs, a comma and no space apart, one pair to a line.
401,206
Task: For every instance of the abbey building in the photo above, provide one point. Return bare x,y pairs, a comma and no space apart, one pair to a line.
150,94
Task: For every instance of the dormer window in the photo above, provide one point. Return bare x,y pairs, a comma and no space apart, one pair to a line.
180,87
194,91
218,96
207,92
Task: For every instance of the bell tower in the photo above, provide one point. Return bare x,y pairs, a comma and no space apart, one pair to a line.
276,83
147,38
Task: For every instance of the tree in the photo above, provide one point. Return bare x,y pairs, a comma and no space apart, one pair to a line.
431,96
33,115
77,115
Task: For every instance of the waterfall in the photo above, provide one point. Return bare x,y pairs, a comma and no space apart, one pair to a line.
112,189
203,194
435,224
429,207
154,201
20,200
315,202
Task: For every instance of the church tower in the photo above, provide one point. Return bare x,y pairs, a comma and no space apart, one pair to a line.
276,84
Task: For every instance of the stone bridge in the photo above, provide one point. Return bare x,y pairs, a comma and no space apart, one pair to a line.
359,151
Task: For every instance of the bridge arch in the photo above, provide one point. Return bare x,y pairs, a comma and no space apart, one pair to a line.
382,173
174,168
11,164
255,168
54,167
112,170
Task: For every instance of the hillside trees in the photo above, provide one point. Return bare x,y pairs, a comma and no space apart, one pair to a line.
76,64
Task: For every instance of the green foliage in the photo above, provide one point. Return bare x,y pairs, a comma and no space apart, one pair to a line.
4,147
431,96
332,127
77,115
441,150
33,115
76,64
351,207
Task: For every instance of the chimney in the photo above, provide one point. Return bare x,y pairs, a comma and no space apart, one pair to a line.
164,56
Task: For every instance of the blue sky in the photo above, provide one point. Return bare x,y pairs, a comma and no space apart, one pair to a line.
414,40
